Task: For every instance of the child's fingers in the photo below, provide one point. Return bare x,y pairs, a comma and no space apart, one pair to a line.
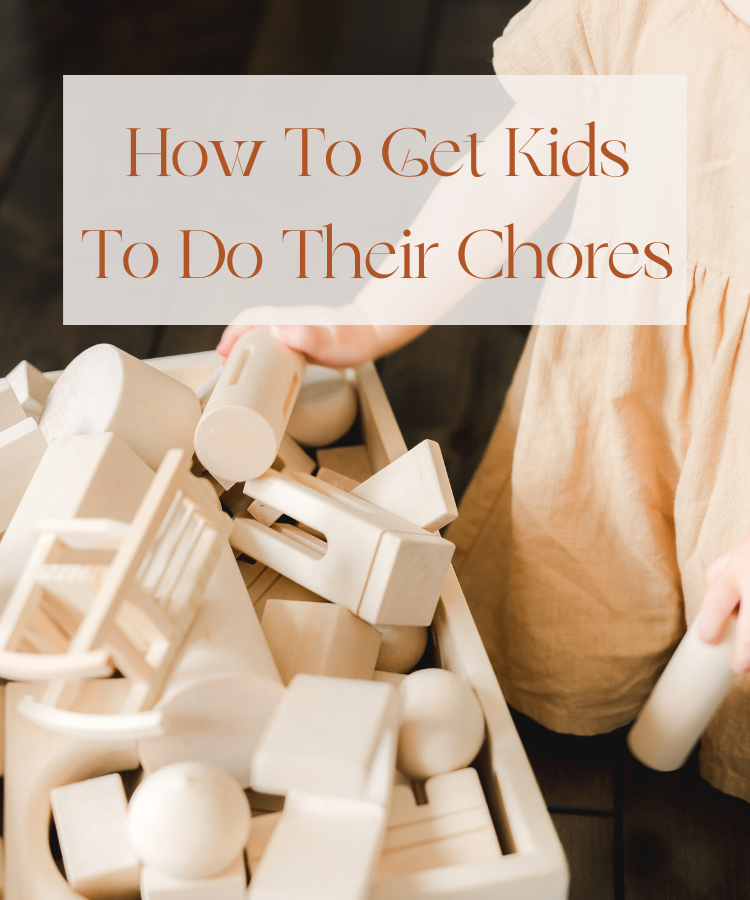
312,340
716,568
718,605
741,652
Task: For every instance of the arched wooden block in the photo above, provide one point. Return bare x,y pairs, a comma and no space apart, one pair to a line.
383,568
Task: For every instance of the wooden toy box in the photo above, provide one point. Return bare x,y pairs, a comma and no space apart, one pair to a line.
533,865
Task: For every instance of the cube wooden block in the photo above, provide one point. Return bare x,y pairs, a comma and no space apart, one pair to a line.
319,639
230,885
329,736
91,822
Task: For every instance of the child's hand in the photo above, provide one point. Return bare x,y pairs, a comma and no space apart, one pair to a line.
342,337
727,586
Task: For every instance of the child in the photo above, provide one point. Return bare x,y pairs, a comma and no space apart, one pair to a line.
614,498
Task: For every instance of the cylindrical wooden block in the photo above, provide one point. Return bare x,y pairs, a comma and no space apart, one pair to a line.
224,684
685,698
105,389
241,428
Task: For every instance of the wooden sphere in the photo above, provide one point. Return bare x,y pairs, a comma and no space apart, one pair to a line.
106,389
189,821
401,648
325,410
441,724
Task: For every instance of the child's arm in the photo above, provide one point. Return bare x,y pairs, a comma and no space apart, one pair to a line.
728,586
390,312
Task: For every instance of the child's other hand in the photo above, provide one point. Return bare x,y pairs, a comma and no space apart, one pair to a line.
728,586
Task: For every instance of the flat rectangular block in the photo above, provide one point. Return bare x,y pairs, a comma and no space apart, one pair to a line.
229,885
91,821
319,639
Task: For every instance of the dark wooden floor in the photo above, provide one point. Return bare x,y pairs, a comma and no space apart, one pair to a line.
630,834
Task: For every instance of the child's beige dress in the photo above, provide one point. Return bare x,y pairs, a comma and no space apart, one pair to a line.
620,467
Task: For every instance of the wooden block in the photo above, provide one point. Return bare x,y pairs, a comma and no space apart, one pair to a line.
325,410
91,821
105,389
260,834
191,369
22,447
292,458
263,583
264,514
386,570
223,687
329,736
453,828
342,482
36,762
354,462
90,476
415,486
321,849
11,411
31,388
319,639
684,700
382,435
234,500
230,885
394,678
240,431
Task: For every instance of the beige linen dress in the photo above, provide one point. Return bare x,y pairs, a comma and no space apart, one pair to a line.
620,466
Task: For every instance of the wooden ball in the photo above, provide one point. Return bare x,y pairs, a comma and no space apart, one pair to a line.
401,648
189,821
325,410
441,724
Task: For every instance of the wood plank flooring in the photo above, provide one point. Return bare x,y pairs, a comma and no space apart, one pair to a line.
630,834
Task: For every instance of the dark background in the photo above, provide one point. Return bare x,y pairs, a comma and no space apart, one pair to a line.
630,834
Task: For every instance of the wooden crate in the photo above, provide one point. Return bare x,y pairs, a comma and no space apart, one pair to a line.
533,866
